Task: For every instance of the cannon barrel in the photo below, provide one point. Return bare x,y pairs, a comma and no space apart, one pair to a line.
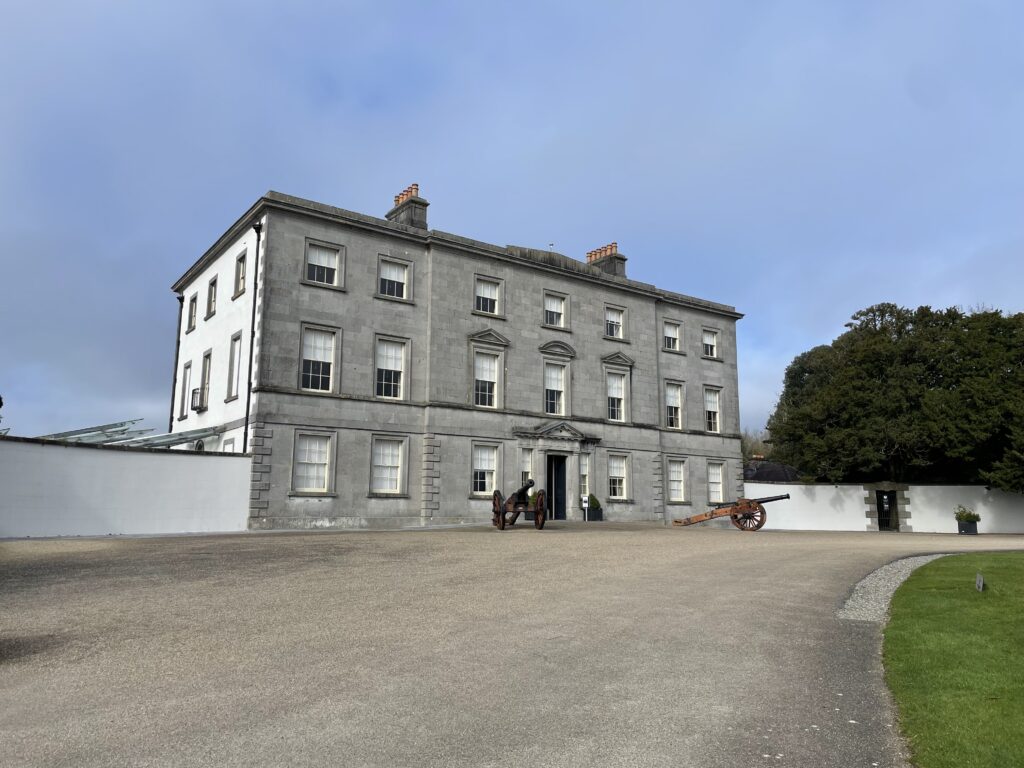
522,492
766,499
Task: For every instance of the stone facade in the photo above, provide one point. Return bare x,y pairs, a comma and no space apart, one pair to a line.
434,423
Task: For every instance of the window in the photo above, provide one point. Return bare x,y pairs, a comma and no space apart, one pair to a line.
715,472
554,389
676,480
312,461
486,298
554,310
322,264
393,279
584,474
234,365
204,382
390,365
211,298
229,446
193,303
711,399
616,396
239,276
386,469
485,461
616,476
186,383
674,406
485,367
613,322
671,336
525,466
317,359
710,343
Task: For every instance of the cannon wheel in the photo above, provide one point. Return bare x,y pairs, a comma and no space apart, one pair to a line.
750,521
498,510
540,510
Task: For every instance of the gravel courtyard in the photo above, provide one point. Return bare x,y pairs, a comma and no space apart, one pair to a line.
599,645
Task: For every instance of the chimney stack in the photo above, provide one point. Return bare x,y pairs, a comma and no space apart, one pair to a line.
410,209
608,259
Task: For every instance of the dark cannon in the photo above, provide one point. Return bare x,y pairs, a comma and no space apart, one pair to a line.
746,514
516,504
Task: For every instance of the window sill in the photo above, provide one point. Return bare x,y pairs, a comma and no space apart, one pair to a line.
372,495
240,293
709,432
312,494
396,299
620,501
317,392
679,503
229,399
712,359
673,351
621,422
481,496
189,330
490,408
488,314
182,418
211,314
383,399
619,339
562,328
328,286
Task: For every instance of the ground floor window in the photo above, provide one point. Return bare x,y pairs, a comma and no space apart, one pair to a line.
311,464
386,466
617,476
715,473
676,480
485,463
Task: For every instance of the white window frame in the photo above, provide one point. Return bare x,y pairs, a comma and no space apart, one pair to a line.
626,479
564,299
240,275
721,484
525,466
665,337
683,485
624,373
496,472
335,373
228,446
623,334
234,366
669,386
499,295
328,486
403,381
186,390
407,285
339,264
564,365
402,466
713,424
499,360
584,474
211,298
716,345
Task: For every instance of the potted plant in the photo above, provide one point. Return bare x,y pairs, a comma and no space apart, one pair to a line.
594,512
966,520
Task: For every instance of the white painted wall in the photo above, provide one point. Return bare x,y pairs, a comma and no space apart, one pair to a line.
841,507
54,489
812,507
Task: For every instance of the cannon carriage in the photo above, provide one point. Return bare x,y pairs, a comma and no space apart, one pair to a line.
505,512
745,514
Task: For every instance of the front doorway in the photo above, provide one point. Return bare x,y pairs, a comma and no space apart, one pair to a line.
888,519
556,487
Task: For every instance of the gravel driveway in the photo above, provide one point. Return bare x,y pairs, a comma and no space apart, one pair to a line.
580,645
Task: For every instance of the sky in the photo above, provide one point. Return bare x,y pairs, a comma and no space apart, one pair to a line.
797,160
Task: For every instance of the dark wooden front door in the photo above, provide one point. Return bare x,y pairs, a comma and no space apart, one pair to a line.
888,519
556,487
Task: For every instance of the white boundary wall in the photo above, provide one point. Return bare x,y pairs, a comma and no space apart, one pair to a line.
60,489
825,507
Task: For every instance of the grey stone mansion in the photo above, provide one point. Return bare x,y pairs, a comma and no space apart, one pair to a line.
384,374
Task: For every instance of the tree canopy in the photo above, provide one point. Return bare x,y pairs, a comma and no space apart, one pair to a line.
908,395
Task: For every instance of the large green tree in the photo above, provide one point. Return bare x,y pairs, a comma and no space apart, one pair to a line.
908,395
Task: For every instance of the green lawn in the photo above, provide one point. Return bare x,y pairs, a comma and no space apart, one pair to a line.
954,660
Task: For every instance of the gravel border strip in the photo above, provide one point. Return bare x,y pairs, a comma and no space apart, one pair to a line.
870,598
